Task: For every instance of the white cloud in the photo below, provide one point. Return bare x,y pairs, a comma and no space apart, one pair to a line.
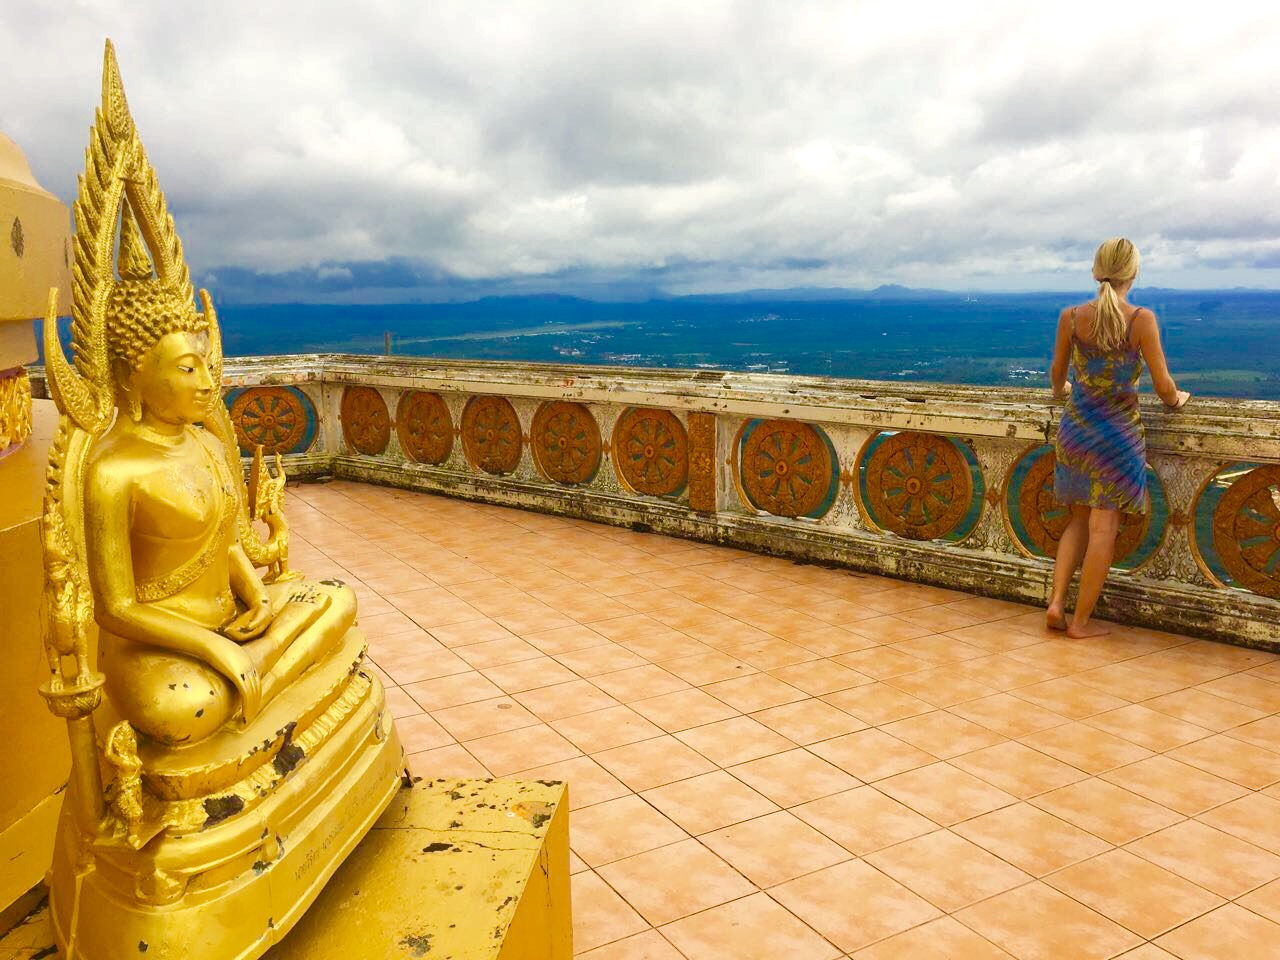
721,144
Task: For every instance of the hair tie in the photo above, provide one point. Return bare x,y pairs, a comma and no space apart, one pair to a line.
1105,280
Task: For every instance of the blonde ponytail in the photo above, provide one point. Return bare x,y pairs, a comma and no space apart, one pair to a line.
1108,320
1114,265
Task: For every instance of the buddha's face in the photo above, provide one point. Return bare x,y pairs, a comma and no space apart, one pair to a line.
173,380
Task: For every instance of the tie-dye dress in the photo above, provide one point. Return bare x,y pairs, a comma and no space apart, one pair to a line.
1101,447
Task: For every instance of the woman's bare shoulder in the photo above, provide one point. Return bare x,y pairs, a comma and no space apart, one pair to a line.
1070,316
1144,318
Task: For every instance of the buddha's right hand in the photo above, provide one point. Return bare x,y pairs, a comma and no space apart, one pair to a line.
234,663
252,623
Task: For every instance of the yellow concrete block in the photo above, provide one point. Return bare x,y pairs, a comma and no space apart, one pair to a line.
34,757
26,849
454,870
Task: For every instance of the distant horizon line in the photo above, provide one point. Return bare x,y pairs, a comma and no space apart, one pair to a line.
779,294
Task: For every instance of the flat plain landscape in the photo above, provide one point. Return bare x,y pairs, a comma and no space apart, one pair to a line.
1219,343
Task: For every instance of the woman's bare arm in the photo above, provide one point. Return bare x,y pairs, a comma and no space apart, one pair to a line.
1147,333
1061,356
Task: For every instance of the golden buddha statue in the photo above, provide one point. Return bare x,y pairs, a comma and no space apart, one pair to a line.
249,747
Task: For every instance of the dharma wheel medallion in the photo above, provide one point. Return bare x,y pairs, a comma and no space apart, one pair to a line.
366,425
786,468
566,442
274,418
491,434
1246,530
1045,518
918,485
424,427
651,451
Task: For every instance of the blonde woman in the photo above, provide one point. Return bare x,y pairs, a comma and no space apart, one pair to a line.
1101,447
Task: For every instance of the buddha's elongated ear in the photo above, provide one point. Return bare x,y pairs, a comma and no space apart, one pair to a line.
127,387
215,348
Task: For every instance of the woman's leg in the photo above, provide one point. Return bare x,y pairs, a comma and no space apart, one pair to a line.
1070,552
1103,526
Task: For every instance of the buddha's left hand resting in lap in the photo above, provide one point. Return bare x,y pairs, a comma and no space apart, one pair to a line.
190,635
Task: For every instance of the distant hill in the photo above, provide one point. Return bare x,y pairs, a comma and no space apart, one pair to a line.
886,291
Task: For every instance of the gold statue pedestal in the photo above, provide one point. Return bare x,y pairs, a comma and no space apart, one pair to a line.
256,830
460,869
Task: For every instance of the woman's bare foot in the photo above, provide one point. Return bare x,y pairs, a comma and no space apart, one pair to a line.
1055,619
1082,631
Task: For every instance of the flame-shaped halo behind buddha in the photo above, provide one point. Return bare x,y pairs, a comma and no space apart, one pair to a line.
125,243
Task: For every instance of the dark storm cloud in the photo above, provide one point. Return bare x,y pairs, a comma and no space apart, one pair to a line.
462,148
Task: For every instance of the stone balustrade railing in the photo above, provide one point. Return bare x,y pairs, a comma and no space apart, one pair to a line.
940,484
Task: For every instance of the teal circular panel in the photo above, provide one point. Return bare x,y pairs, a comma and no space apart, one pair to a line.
973,512
279,419
788,468
1246,528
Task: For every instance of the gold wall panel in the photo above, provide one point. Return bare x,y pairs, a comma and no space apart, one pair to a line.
702,462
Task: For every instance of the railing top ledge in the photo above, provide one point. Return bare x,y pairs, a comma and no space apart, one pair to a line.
1260,418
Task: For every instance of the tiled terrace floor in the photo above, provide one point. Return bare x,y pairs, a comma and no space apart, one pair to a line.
775,760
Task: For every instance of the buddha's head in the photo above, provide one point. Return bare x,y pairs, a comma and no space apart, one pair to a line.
159,348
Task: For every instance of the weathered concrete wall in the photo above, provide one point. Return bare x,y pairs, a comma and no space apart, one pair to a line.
941,484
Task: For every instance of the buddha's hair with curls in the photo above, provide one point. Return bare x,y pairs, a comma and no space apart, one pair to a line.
1114,265
140,312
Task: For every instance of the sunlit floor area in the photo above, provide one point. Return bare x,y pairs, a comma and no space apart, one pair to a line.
777,760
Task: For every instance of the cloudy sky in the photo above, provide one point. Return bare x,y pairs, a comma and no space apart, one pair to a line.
391,150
